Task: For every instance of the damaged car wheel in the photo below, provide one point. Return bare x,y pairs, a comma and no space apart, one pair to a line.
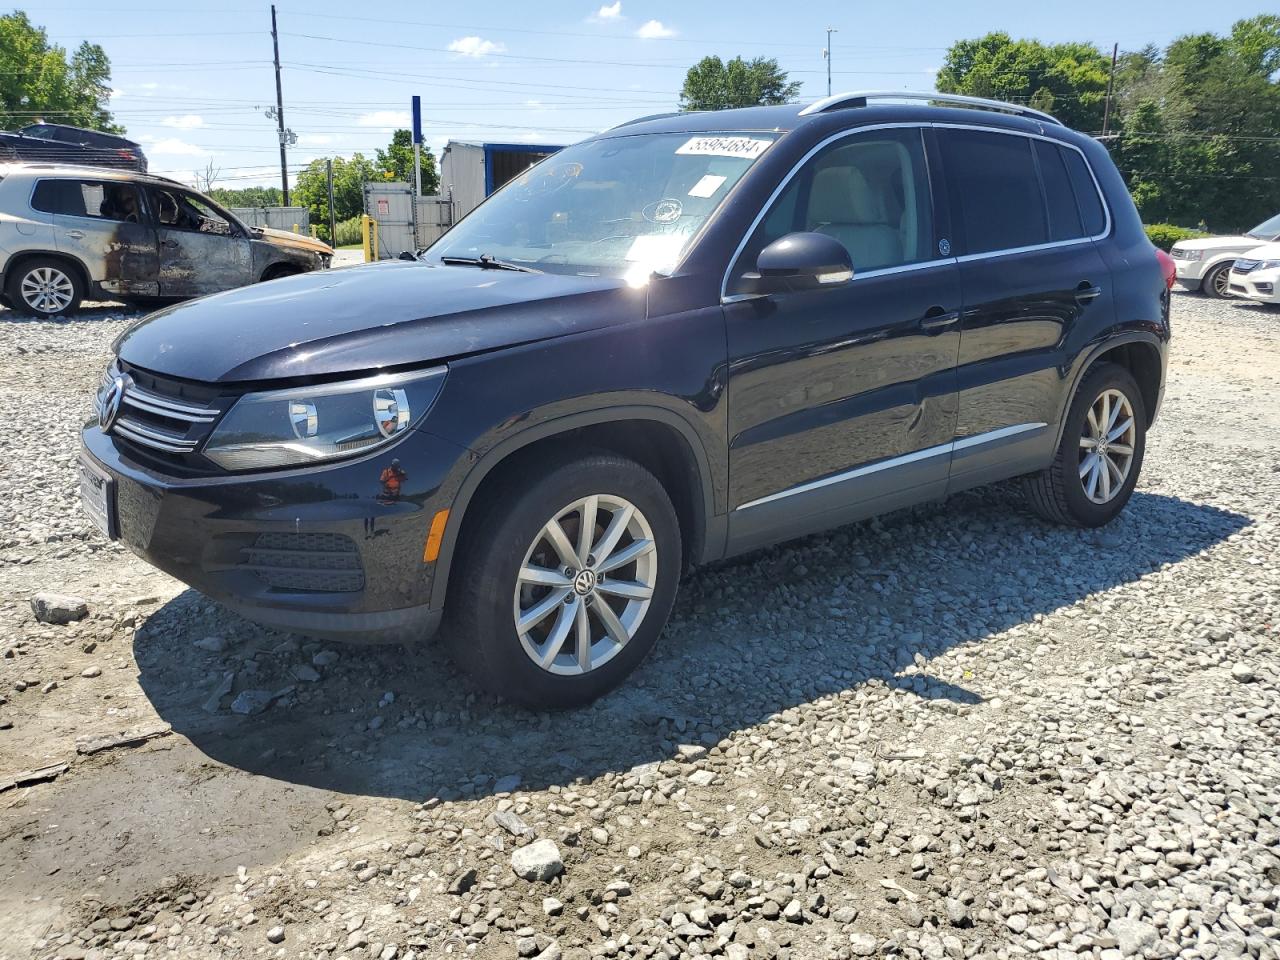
45,287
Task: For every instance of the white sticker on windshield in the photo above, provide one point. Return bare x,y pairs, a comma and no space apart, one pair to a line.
707,186
747,148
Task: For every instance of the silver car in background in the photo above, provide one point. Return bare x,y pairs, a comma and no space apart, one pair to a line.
72,233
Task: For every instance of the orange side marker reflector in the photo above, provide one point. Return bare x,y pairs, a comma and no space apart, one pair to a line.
432,550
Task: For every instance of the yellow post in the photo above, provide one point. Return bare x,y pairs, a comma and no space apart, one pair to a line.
365,231
315,234
295,229
376,250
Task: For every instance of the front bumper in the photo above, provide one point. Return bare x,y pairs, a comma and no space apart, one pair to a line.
1262,286
1189,273
326,551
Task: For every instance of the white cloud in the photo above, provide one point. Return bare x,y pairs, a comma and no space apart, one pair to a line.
188,121
475,46
655,30
610,11
173,147
314,139
116,93
385,118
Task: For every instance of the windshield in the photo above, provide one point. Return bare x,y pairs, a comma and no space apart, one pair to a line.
1267,229
621,207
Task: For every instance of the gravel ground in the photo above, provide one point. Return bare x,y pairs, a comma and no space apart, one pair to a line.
952,732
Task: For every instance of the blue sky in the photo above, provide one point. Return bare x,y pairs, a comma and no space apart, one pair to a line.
193,78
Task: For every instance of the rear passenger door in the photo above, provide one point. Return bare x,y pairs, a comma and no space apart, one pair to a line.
104,225
1024,210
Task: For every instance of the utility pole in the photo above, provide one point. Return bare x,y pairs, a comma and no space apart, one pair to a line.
328,174
284,161
1111,82
826,54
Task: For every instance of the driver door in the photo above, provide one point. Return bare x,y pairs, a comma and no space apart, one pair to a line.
842,400
201,251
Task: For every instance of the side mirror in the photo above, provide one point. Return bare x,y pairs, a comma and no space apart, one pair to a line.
799,261
407,255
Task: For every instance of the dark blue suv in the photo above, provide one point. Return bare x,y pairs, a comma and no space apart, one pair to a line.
688,337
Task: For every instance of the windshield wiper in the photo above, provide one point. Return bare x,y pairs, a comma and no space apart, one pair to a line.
486,262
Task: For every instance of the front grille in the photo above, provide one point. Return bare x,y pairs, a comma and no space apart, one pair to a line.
158,416
322,562
1245,266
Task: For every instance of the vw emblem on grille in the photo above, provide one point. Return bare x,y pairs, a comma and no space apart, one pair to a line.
109,411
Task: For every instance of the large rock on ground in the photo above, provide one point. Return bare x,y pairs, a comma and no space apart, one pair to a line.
539,860
58,608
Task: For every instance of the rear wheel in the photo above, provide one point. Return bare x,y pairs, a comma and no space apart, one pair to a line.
45,287
1100,455
566,583
1217,281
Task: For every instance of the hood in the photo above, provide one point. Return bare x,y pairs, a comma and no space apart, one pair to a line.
1268,251
1218,244
357,319
285,238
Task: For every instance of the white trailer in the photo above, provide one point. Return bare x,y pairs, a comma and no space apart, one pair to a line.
470,170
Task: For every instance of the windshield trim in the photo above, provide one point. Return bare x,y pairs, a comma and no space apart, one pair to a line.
778,133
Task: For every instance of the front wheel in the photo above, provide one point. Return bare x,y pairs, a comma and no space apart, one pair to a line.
1217,282
1100,454
566,583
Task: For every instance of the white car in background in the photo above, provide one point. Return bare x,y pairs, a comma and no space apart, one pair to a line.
1205,264
1256,275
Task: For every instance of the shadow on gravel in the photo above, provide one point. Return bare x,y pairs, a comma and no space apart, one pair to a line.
865,605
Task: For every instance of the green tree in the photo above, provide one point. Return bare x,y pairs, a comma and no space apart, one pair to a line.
1067,79
712,84
396,163
39,82
349,178
1199,128
247,196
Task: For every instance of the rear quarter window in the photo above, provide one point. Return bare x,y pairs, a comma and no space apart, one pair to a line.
1092,213
1059,197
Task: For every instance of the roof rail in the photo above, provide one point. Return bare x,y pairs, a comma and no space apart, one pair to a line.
859,98
652,116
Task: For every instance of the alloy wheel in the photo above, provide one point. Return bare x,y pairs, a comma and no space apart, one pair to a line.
585,585
1106,446
47,290
1222,281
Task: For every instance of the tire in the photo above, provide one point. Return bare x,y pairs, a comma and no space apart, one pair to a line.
1215,282
45,287
1072,490
487,593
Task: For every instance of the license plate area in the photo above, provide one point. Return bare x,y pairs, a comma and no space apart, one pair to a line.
98,497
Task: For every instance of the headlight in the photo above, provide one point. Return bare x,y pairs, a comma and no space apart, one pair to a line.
307,424
1267,265
1181,253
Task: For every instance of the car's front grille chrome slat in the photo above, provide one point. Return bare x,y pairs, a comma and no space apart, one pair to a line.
163,407
138,433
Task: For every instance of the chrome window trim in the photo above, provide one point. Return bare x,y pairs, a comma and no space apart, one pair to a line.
893,462
726,297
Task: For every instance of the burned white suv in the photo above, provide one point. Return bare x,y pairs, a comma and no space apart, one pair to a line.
68,233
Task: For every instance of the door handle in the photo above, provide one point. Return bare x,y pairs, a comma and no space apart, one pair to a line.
935,319
75,234
1087,292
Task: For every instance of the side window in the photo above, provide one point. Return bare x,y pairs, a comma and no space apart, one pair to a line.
870,192
1059,197
99,200
995,190
185,211
1091,211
